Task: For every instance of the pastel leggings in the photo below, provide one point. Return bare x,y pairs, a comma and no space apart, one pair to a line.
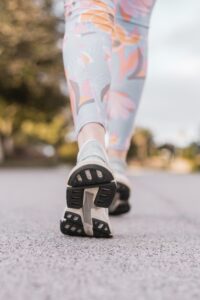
105,60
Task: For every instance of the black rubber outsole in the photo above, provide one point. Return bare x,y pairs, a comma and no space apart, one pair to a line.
72,225
85,177
99,174
124,194
105,183
123,190
121,209
101,229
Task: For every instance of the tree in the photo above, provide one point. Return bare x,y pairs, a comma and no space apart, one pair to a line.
30,59
142,144
31,70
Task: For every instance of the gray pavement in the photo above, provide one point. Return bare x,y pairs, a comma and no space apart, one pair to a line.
155,253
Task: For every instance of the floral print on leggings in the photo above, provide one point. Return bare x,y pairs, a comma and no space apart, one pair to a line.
105,59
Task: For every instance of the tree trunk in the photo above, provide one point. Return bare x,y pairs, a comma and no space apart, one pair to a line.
2,156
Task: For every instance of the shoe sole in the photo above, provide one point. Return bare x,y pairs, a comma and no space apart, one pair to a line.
90,191
120,204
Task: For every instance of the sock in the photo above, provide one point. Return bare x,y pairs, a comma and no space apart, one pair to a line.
92,149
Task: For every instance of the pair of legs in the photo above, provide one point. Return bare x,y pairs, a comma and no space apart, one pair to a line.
105,59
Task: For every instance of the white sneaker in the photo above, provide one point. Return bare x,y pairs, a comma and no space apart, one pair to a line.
120,203
91,188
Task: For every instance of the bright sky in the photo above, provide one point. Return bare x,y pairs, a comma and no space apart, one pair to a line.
171,99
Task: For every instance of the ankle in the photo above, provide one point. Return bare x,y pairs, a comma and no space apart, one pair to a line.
117,154
91,131
93,150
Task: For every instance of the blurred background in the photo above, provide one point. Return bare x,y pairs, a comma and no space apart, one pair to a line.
35,120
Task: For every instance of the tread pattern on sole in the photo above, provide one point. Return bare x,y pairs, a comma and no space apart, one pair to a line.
86,177
105,194
101,229
104,197
74,197
122,208
124,193
123,190
72,224
90,174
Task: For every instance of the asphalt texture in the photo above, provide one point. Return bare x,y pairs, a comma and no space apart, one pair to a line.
155,252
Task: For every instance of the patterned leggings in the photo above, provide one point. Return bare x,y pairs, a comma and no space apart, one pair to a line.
105,60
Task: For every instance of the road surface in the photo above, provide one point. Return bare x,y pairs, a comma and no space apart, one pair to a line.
155,253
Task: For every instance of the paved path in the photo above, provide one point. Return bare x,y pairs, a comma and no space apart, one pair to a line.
155,253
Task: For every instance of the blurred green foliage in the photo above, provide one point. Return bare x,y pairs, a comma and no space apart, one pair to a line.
32,107
30,59
142,144
192,153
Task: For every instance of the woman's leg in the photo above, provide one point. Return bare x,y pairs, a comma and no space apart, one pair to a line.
86,51
129,64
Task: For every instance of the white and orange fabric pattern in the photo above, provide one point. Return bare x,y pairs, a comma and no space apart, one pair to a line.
105,59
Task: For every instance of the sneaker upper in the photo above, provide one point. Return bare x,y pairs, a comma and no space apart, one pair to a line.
119,165
92,150
119,168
